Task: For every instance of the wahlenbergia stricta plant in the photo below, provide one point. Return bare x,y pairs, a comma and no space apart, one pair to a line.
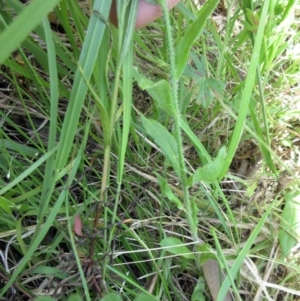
172,145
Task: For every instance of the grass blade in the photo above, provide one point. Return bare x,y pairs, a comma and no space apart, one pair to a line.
183,49
87,60
242,255
247,92
44,229
28,171
54,95
17,32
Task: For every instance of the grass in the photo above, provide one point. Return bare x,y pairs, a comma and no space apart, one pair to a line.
137,164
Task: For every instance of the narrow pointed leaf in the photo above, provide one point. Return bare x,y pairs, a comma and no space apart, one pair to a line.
167,192
112,297
159,91
289,233
164,140
211,171
176,246
89,54
145,297
17,32
193,33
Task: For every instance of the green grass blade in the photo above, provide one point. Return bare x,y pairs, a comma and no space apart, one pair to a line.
126,58
242,255
17,32
247,92
28,171
223,262
19,148
71,235
127,101
87,60
130,26
54,95
290,222
44,229
183,49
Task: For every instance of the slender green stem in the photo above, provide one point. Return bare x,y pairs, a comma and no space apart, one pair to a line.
263,105
106,161
177,123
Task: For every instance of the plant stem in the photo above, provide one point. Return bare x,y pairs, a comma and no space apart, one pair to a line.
177,123
106,161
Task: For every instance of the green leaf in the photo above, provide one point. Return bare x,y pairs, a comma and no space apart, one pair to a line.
208,88
198,294
45,270
17,32
54,96
164,140
28,171
19,148
88,57
145,297
193,33
206,253
5,204
167,192
248,87
75,298
112,297
160,92
46,226
289,233
176,246
126,12
211,171
242,255
253,20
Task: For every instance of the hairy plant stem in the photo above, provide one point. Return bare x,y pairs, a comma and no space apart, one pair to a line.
177,123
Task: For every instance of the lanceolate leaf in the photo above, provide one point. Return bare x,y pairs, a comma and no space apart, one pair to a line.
161,94
112,297
145,297
164,140
159,91
193,33
177,247
211,171
167,192
5,204
290,223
